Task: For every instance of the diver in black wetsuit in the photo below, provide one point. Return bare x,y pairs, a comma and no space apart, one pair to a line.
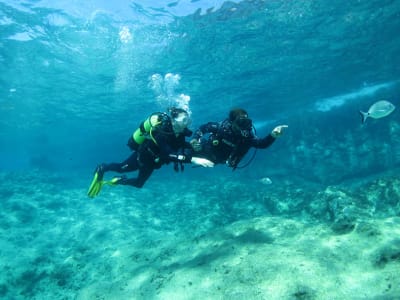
159,140
228,141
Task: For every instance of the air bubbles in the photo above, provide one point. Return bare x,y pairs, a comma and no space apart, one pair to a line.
164,88
171,82
183,102
125,35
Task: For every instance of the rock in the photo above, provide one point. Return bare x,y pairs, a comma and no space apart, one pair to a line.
343,225
367,229
389,252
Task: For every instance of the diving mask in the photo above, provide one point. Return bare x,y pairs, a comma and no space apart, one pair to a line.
180,122
243,125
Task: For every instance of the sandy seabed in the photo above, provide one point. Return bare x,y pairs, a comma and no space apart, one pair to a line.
220,240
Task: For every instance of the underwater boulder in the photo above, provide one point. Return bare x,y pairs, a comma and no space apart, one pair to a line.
303,292
383,195
390,252
368,229
343,225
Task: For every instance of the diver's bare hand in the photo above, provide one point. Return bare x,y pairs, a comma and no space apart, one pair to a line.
202,162
278,130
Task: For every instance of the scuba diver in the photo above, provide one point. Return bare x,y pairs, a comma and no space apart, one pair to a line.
228,141
159,140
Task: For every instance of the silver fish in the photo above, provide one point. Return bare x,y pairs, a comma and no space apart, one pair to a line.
378,110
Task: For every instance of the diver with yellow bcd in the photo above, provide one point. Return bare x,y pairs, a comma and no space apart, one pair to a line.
160,139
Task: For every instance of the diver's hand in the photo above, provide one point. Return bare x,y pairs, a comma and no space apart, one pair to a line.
202,162
196,145
278,131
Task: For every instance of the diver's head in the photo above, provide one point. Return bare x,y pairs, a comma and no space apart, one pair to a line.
236,113
180,119
241,123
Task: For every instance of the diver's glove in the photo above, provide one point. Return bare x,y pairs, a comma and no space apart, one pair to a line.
196,145
202,162
278,131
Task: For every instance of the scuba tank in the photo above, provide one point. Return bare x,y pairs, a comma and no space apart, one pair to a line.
145,129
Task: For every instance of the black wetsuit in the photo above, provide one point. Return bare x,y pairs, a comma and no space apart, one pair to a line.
164,147
221,144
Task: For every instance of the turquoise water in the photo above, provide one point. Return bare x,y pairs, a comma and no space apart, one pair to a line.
315,216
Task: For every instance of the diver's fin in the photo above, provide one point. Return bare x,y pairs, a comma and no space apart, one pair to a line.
95,186
364,116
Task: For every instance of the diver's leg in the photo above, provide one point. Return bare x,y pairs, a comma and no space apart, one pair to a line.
128,165
145,167
144,174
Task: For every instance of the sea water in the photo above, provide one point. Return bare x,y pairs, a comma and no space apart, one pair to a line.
314,216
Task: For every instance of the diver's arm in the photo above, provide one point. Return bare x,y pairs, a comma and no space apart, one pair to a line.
263,143
185,155
270,138
187,132
168,154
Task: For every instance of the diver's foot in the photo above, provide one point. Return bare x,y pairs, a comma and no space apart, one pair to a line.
100,172
118,180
